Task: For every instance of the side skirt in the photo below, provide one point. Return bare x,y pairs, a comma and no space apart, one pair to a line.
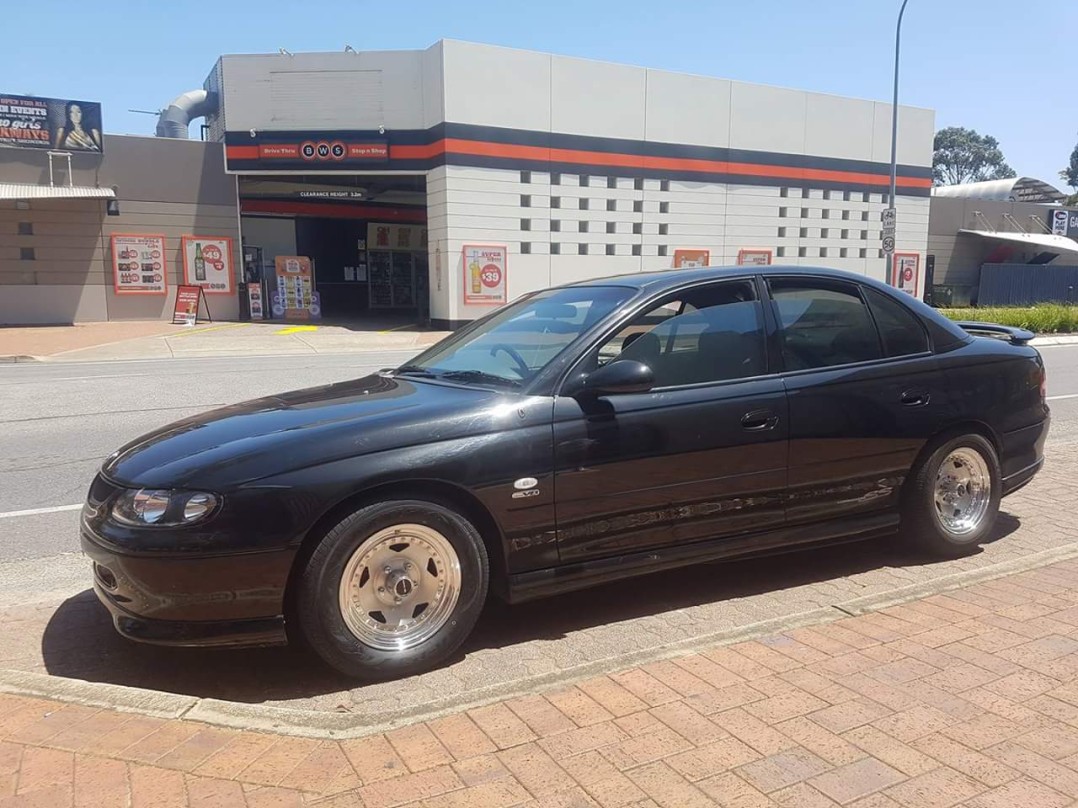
535,584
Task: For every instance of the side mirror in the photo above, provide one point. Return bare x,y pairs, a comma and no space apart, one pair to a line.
620,376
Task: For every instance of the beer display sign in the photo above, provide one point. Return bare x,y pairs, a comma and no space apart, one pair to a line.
138,265
207,262
485,281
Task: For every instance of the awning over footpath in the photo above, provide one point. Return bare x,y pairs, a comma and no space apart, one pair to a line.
1044,241
20,190
1015,189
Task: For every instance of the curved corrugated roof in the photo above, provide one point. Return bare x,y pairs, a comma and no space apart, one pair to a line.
1015,189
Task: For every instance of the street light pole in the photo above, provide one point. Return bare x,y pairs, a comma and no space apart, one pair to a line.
894,131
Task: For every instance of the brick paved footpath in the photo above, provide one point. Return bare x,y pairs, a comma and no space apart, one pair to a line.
963,698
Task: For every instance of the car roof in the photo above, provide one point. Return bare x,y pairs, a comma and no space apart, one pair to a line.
658,280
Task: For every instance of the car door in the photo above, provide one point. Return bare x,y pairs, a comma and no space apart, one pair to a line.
864,390
701,455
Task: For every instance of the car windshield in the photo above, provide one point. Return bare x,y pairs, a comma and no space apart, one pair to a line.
514,344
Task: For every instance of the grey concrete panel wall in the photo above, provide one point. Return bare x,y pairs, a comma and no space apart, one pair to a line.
324,90
164,187
69,277
140,168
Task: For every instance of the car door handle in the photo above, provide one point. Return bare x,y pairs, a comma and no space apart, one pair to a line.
914,398
759,421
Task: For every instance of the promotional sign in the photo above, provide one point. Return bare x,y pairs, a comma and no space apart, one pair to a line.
185,311
323,151
754,257
1064,223
691,258
50,123
484,274
293,297
905,275
138,265
254,300
410,237
207,262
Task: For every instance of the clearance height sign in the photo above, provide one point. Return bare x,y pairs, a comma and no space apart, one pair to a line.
138,265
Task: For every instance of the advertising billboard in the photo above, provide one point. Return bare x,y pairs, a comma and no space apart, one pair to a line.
207,262
1064,223
484,274
138,265
754,257
906,272
295,298
409,237
683,259
50,123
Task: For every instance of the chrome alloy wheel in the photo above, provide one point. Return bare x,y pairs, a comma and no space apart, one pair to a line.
963,491
400,587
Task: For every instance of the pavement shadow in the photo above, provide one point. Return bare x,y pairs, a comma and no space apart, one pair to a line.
79,641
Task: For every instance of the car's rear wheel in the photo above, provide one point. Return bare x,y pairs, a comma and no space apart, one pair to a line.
393,589
953,498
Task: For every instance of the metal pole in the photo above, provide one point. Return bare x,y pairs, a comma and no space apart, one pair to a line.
888,272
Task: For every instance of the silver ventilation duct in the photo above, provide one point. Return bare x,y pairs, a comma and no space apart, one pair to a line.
175,118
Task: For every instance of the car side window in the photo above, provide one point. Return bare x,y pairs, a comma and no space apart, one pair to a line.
900,330
650,319
716,334
823,324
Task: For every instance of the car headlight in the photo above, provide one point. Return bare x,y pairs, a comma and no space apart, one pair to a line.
160,507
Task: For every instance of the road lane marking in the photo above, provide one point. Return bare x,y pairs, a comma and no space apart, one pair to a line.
39,511
1060,398
204,330
296,329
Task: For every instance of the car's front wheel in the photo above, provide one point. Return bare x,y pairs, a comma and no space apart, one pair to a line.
953,498
393,589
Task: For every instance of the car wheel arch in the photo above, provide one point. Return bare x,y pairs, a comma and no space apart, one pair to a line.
436,491
952,431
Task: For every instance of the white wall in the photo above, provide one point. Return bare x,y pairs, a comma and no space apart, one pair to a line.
328,90
486,206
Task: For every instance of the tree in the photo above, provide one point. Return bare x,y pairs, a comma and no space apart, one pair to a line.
1069,174
961,155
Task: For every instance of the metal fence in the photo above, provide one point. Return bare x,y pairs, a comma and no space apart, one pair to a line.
1026,284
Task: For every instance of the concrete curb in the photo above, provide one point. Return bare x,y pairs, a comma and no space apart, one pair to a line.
330,725
96,694
1048,340
10,358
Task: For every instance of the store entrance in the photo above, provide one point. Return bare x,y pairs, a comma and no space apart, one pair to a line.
365,238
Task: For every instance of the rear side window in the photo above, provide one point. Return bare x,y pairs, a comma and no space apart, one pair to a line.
823,324
901,332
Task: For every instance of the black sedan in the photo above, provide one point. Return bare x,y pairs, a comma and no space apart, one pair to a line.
582,434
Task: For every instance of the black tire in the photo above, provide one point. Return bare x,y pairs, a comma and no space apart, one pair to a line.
921,518
318,608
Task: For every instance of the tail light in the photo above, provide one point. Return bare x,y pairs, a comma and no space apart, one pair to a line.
1044,383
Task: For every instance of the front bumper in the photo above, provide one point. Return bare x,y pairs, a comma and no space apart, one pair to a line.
233,600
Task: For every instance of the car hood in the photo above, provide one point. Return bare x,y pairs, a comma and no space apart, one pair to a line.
255,439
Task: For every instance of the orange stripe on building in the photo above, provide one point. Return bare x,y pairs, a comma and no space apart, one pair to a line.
546,154
241,152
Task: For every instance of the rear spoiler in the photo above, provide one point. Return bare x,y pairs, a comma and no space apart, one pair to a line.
1016,336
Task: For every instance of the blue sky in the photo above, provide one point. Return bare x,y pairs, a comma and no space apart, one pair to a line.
985,64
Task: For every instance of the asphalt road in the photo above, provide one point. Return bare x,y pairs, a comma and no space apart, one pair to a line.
58,421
